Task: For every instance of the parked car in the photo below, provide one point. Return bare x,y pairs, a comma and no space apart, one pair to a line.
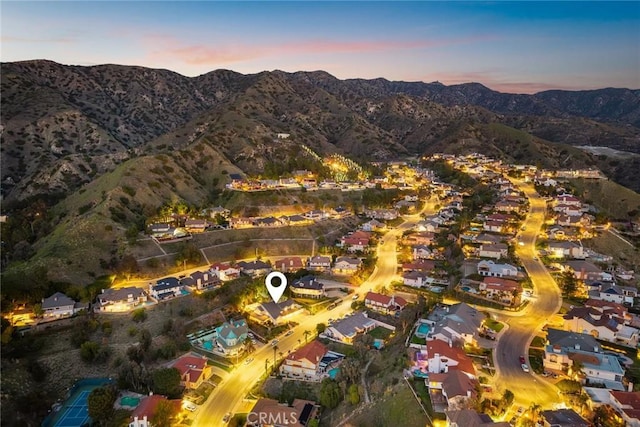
249,360
273,343
523,360
189,406
525,367
520,410
289,333
226,418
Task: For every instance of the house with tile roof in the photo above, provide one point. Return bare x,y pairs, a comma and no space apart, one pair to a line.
194,370
627,404
442,357
493,250
346,265
145,411
201,280
289,264
305,363
456,387
563,418
601,323
387,304
225,272
492,269
254,268
471,418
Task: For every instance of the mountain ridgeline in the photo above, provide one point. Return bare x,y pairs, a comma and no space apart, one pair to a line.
64,126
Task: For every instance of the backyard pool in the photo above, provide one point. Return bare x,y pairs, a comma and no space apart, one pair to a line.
419,374
130,401
333,373
207,345
423,329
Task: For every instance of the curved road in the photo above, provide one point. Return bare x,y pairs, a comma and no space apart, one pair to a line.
515,342
229,394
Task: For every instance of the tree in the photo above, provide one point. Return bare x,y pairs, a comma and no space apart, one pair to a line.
569,283
100,403
132,234
128,266
330,394
139,315
166,381
508,397
248,345
145,339
306,336
165,413
89,351
320,328
353,395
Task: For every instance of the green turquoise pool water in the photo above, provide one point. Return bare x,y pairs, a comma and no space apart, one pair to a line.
130,401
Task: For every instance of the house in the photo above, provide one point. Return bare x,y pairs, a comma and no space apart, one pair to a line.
254,268
201,280
424,238
627,404
307,287
346,265
289,265
296,220
494,250
423,266
315,215
563,348
158,229
194,370
385,214
568,199
613,293
600,323
486,238
119,300
493,226
357,241
267,222
271,413
224,272
374,225
275,313
319,263
584,270
569,210
196,225
305,362
429,226
504,290
557,233
384,303
499,217
166,288
507,206
457,388
573,221
490,268
415,279
145,411
566,249
422,252
59,305
345,330
231,336
461,324
471,418
442,358
563,418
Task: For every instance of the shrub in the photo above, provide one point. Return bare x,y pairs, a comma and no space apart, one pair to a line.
139,315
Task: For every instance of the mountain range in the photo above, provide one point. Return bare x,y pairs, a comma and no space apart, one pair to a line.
80,135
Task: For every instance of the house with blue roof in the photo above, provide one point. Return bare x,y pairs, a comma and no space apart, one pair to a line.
231,336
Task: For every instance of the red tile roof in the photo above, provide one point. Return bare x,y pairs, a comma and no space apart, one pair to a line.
190,366
499,283
628,398
149,404
312,352
442,348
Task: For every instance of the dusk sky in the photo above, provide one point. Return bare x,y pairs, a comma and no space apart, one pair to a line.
519,47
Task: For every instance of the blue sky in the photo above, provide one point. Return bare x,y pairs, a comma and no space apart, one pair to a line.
509,46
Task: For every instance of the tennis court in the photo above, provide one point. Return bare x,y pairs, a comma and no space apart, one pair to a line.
76,414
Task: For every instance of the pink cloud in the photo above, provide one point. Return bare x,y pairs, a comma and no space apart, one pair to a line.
201,54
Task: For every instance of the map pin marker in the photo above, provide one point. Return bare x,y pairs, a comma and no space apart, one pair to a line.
276,291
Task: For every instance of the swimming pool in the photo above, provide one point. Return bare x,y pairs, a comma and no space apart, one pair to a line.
423,329
333,373
207,345
466,288
130,401
419,374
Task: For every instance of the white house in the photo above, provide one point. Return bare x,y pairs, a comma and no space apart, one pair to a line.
490,268
319,263
59,305
384,303
566,249
347,329
422,252
346,265
119,300
224,272
169,287
415,279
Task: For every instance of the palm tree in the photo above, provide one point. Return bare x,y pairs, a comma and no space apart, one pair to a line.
275,350
577,369
248,345
306,335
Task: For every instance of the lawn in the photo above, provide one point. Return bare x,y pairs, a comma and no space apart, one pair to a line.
423,392
494,325
397,408
537,342
380,333
417,340
535,360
